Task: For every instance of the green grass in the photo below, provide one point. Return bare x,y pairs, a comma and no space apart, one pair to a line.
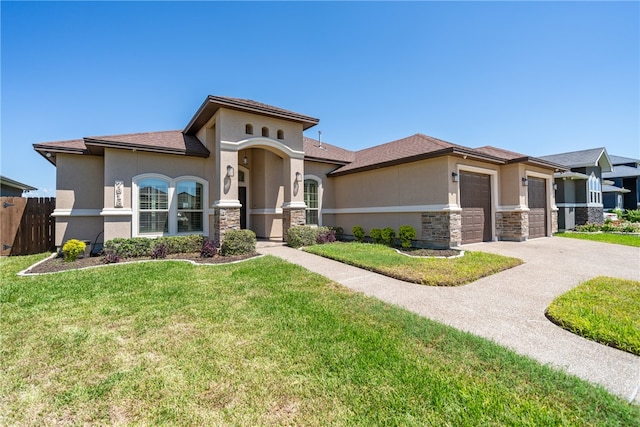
618,239
428,271
603,309
261,342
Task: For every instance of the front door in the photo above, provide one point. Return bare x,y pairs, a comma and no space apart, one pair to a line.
242,194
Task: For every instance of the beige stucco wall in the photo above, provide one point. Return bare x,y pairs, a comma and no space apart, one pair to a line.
77,227
79,180
232,127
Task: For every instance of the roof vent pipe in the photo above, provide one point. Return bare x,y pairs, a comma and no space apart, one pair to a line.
319,139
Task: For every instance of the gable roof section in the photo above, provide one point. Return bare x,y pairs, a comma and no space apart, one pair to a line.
513,157
582,158
213,103
167,142
326,153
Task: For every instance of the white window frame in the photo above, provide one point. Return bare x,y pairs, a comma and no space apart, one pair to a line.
594,190
173,204
318,181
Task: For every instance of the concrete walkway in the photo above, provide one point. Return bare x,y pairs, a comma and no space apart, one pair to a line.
508,307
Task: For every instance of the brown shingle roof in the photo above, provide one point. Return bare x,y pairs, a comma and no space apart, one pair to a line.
413,148
168,142
324,152
213,103
499,152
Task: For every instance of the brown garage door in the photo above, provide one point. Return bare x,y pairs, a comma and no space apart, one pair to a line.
537,207
475,201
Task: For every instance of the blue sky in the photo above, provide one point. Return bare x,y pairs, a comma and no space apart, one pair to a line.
537,78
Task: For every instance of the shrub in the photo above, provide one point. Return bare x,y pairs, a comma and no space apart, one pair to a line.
209,249
159,251
633,215
72,249
325,235
339,232
608,226
628,227
388,236
406,233
588,227
358,233
376,235
182,244
238,242
618,212
304,235
133,247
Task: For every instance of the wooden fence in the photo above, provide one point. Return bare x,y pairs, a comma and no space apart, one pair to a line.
26,225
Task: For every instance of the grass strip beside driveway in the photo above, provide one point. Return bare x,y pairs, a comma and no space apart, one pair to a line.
428,271
604,309
262,342
616,238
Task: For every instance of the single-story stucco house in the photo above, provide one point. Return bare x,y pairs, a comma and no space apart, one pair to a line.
243,164
12,188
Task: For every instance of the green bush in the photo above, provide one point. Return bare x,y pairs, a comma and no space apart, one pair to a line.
376,235
618,212
303,235
406,233
588,227
72,249
608,226
182,244
133,247
339,232
633,215
388,236
238,242
358,233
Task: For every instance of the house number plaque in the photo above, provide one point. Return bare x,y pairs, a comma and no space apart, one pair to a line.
119,189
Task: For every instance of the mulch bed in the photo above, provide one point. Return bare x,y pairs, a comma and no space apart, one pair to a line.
54,265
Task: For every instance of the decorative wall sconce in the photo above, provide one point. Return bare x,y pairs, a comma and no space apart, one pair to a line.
48,154
298,177
230,171
454,177
525,181
245,161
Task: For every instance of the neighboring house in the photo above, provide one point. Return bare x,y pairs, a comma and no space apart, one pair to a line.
625,178
242,164
11,188
579,190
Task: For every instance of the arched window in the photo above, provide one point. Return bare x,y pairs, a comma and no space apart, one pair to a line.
595,189
248,129
311,200
280,134
168,206
153,206
265,132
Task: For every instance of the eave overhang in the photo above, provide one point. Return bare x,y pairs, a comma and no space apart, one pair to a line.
213,103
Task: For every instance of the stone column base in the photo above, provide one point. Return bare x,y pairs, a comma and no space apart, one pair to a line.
292,217
441,229
554,222
512,226
225,219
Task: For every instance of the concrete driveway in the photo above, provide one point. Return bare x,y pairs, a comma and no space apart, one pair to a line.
508,307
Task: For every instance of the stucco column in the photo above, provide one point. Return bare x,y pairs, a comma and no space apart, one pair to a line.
293,208
227,206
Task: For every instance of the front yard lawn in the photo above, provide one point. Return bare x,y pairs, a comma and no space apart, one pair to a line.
603,309
262,342
617,238
428,271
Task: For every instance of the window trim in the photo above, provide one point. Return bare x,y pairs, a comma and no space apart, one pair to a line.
594,190
318,181
173,204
